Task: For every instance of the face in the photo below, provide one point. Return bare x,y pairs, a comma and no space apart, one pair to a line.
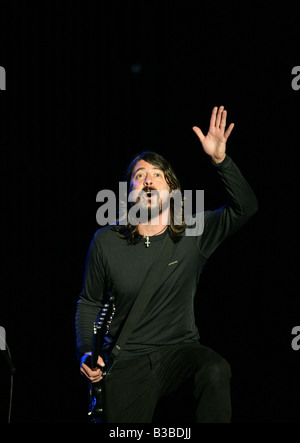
150,179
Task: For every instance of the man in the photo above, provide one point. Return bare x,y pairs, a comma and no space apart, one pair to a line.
163,351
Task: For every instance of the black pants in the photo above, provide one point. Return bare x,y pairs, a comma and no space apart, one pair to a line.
133,388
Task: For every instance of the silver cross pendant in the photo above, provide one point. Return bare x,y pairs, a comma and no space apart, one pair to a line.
147,242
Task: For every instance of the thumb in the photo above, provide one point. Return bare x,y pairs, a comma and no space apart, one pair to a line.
100,361
199,133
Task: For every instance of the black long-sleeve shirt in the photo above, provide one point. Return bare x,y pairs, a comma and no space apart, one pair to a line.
115,265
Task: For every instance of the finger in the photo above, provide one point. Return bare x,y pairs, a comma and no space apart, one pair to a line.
86,370
95,380
213,117
92,378
229,130
219,114
100,361
223,120
199,133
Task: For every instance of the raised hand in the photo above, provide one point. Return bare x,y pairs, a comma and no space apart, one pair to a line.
214,143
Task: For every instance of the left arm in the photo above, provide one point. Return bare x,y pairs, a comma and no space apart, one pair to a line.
221,223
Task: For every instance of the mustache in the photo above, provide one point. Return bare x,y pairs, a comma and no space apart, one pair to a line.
149,190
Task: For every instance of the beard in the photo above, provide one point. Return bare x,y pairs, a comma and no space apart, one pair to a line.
149,205
154,209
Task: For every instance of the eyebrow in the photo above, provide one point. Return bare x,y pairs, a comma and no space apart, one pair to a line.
139,169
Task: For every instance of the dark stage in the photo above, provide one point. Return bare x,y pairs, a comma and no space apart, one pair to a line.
90,84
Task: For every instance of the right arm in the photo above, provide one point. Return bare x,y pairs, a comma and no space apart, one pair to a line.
88,306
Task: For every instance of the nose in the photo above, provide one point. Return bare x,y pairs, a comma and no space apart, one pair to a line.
148,181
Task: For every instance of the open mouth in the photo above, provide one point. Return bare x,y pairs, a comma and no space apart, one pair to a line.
149,193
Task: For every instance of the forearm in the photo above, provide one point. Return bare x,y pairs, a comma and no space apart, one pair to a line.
242,201
85,316
241,205
90,299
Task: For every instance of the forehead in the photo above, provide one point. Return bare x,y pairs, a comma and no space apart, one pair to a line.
142,164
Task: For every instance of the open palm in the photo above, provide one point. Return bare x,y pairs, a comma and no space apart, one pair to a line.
214,143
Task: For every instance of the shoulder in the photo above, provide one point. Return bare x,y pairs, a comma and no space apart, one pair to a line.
106,233
105,236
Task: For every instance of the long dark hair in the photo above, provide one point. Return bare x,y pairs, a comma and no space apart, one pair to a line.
129,231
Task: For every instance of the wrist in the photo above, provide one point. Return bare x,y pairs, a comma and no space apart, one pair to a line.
218,159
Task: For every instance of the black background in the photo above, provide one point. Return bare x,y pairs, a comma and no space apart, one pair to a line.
90,84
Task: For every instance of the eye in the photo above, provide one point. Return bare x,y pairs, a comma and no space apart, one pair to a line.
157,174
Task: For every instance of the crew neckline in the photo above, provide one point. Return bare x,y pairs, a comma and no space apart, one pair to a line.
155,237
